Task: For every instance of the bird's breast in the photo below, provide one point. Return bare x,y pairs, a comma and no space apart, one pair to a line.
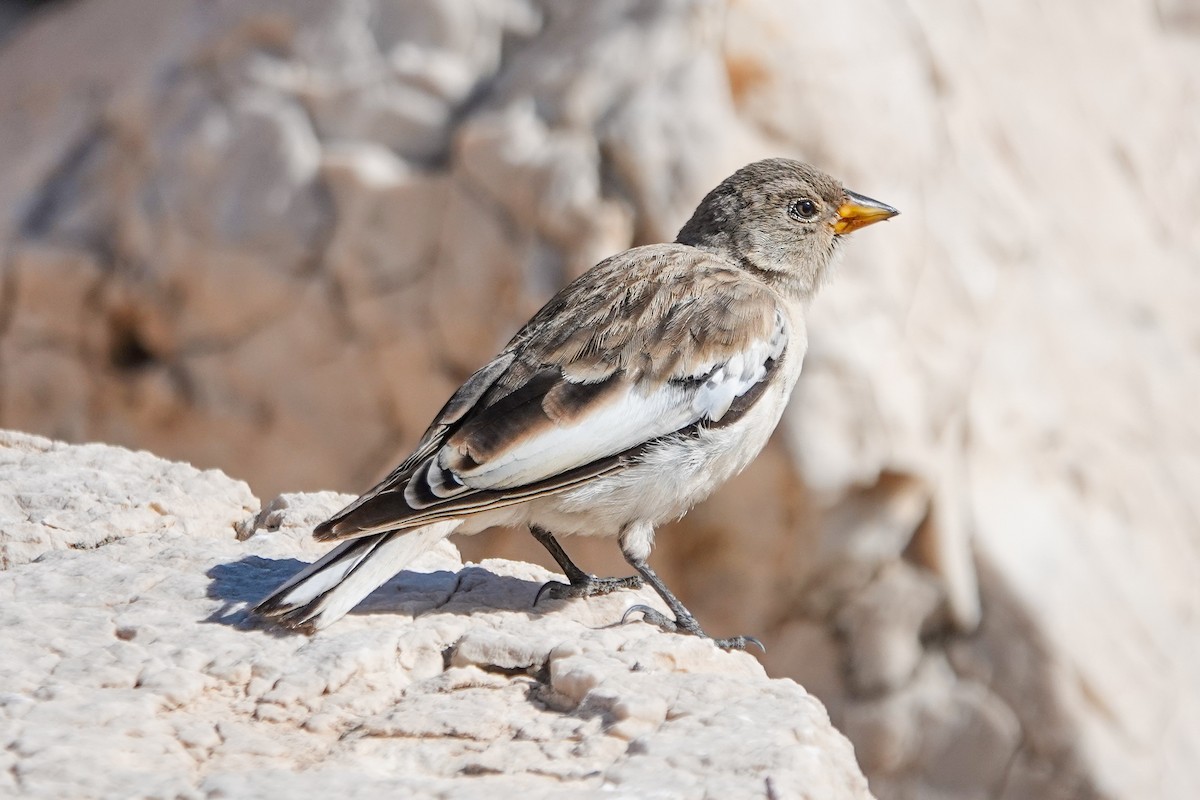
673,473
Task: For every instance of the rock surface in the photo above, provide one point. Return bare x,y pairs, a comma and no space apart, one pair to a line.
273,241
130,667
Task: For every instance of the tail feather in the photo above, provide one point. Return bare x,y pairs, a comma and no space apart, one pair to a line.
326,590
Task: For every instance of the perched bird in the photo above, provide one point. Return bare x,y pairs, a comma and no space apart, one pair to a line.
634,393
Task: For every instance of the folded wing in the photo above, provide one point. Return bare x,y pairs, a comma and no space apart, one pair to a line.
607,367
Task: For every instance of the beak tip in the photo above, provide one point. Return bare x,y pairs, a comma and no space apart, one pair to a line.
859,211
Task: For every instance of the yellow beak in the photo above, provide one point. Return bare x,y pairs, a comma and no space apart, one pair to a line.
859,211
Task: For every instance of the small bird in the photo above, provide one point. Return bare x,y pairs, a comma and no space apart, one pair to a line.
630,396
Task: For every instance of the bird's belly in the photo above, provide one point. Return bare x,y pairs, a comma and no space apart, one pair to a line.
670,477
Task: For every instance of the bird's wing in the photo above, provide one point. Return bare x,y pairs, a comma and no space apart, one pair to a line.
645,345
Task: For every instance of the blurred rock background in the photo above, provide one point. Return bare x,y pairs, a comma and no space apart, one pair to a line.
273,237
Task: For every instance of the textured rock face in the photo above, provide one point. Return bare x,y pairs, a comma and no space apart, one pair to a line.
274,241
130,669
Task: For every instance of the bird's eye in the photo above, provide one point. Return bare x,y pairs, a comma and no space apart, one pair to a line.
803,210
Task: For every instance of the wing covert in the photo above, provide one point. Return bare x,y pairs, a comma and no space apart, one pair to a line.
648,344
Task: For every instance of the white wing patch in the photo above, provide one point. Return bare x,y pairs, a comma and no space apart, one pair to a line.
626,421
725,382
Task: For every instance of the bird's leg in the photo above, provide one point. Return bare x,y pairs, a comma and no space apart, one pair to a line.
581,583
684,622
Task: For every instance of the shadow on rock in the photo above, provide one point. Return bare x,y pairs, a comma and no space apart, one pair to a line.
241,584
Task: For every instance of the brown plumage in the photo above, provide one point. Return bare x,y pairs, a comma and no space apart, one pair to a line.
673,357
608,335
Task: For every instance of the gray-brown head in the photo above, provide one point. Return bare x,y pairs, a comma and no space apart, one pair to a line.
781,219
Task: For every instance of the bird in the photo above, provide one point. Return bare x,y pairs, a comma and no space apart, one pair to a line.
636,391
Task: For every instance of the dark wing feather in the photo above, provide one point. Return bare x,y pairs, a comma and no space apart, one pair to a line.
382,499
606,366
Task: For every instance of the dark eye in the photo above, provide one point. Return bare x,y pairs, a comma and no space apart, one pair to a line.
803,209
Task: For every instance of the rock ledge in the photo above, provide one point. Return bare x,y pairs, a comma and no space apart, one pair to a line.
131,667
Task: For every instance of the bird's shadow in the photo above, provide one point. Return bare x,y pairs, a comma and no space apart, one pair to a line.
240,584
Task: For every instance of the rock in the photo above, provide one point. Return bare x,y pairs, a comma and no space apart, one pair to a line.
60,497
960,733
132,668
275,240
881,625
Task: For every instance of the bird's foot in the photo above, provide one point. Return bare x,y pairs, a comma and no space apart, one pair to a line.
687,624
585,586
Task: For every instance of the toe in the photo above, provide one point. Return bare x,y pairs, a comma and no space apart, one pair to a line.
554,590
739,643
651,616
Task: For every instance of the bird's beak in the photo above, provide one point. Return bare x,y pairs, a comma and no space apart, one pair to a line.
859,211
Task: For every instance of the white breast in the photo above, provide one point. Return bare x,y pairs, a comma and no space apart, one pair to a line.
671,476
679,471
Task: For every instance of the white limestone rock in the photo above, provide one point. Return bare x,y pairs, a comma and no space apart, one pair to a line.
84,497
131,667
276,238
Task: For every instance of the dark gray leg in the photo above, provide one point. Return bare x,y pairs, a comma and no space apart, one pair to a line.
581,583
684,622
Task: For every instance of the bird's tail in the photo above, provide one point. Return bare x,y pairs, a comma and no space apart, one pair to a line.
323,592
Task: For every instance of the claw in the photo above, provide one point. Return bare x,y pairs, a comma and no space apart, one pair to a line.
591,587
652,616
665,623
550,586
739,643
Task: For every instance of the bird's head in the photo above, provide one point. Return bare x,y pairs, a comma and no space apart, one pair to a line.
781,219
